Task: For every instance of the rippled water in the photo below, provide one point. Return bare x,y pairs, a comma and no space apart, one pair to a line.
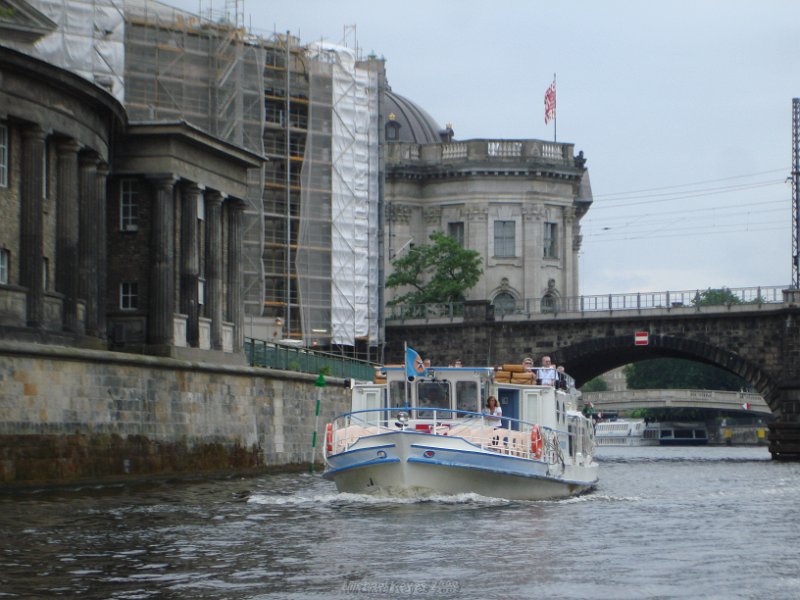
708,522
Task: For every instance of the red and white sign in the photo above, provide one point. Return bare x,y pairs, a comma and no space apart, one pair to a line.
641,338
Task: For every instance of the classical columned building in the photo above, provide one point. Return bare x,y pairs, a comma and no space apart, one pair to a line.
56,136
115,234
517,202
175,240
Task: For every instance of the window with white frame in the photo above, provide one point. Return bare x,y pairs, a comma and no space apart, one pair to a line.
550,240
128,205
5,262
3,156
504,238
129,295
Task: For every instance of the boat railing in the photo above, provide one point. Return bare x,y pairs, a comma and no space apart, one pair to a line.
514,437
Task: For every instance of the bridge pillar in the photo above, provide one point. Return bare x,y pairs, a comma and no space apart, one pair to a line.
784,432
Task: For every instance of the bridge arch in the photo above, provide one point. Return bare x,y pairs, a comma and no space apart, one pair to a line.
587,359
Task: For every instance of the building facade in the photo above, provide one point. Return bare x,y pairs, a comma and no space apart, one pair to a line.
115,233
517,202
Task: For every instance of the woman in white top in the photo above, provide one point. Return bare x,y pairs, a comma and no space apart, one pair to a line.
493,412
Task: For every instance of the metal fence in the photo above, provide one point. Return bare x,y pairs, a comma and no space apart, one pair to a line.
551,304
261,353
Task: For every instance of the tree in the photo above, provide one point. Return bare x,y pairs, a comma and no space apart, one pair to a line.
716,297
598,384
442,271
678,373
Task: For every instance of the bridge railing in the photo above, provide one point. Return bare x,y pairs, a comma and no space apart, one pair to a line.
553,305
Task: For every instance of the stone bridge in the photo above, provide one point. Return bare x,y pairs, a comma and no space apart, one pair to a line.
629,399
758,342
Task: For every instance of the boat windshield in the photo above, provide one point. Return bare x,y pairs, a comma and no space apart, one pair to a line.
467,396
432,394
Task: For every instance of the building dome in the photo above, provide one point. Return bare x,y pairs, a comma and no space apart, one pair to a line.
407,122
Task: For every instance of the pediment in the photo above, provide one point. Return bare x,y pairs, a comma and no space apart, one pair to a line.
21,22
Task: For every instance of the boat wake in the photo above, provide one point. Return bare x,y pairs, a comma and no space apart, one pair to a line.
348,499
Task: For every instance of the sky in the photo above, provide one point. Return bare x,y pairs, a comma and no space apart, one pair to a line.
683,110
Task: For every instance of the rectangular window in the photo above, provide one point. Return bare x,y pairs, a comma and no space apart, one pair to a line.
504,238
3,156
44,170
129,295
456,231
5,261
550,240
128,205
45,273
201,291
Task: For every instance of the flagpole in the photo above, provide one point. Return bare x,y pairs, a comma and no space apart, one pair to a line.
555,111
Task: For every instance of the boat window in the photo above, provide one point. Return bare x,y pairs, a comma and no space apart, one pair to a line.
699,433
433,394
467,396
397,395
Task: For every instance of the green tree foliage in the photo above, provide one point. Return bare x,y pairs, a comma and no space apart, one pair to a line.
677,373
442,271
595,385
716,297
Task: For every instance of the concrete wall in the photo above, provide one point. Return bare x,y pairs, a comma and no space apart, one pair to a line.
69,415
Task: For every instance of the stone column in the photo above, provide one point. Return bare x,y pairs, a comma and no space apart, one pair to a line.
31,242
190,262
569,256
87,239
213,303
235,308
67,224
101,214
161,311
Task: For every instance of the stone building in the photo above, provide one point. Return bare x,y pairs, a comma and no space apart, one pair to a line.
517,202
114,233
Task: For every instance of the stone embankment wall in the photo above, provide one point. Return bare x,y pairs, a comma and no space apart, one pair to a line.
69,415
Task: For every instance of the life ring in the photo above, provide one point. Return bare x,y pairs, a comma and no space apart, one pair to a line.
329,438
536,442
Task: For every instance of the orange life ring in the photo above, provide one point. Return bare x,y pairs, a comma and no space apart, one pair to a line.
329,438
536,442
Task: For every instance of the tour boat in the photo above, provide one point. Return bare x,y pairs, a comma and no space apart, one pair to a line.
624,432
418,431
638,432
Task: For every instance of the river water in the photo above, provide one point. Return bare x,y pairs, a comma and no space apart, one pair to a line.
710,522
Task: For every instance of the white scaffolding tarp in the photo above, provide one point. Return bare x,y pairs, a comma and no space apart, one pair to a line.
354,198
89,40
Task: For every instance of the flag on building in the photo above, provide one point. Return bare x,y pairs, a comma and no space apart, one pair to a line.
414,365
550,102
746,406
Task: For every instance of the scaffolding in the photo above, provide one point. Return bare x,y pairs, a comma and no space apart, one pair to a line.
207,71
88,41
311,247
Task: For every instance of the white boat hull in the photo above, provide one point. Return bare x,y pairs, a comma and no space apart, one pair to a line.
408,463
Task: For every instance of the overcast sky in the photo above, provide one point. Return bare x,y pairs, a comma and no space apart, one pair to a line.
682,109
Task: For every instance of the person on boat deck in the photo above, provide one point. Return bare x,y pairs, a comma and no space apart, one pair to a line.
527,364
493,412
547,373
457,364
561,377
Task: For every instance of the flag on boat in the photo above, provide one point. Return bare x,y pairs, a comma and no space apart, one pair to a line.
414,365
550,102
746,406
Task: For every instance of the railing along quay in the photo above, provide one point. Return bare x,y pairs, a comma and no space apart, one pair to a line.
271,355
550,305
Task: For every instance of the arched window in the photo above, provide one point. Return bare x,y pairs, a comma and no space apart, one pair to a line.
549,303
504,304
